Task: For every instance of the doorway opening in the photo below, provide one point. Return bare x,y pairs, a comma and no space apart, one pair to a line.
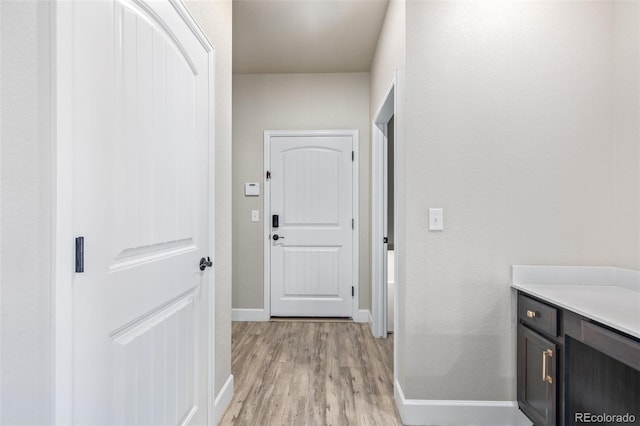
383,217
390,205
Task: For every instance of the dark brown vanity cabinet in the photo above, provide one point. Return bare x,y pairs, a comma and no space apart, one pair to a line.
538,361
570,367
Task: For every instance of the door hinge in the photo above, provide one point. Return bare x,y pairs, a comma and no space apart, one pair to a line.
79,254
385,240
353,156
353,291
268,175
353,223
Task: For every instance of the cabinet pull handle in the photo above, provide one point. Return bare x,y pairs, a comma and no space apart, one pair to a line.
531,314
545,377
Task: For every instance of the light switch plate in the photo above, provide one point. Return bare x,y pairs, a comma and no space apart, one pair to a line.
255,215
436,220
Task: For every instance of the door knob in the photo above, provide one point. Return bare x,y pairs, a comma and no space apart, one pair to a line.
205,262
277,237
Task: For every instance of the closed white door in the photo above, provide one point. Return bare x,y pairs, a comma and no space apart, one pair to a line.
140,100
311,249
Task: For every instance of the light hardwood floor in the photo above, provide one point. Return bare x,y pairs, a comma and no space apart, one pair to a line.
310,373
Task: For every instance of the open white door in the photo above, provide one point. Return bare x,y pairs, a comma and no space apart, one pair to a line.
380,213
139,110
311,249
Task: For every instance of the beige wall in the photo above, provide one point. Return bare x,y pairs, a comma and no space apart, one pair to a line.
289,102
509,128
627,133
25,214
215,19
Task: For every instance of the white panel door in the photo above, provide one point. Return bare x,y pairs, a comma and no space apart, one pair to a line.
142,141
312,248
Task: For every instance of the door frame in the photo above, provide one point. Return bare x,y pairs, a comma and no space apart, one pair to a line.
268,134
388,108
62,246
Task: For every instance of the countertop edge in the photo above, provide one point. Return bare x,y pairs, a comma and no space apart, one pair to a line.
537,291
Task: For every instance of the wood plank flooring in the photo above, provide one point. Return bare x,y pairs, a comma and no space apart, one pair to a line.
310,373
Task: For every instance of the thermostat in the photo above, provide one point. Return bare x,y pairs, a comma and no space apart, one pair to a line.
252,189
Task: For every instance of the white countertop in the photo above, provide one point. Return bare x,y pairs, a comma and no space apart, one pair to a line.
608,295
614,306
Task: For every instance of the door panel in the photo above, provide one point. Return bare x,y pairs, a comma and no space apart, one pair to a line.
145,388
311,271
537,397
311,181
311,191
154,159
141,195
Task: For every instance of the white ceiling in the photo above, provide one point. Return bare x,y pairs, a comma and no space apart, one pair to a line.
305,36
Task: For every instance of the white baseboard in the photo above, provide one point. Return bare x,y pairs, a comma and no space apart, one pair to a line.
223,399
363,315
238,314
459,413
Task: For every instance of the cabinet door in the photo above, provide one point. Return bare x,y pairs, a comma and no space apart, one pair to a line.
537,378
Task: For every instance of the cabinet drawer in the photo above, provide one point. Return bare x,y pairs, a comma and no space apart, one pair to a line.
538,315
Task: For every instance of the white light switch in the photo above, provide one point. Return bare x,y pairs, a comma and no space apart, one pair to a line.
436,220
255,215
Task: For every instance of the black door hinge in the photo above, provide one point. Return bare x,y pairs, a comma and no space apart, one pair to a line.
353,156
353,291
353,223
385,240
79,254
268,175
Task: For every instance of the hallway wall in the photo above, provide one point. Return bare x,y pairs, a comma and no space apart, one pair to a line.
627,133
509,128
290,102
25,213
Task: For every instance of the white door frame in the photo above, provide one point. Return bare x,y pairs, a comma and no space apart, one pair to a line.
62,251
387,109
267,209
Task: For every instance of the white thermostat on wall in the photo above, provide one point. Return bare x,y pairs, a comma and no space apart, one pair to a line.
252,188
